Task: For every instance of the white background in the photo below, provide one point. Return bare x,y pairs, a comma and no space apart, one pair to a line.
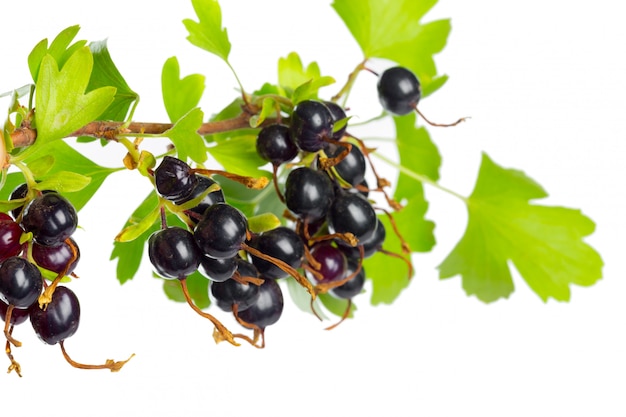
544,84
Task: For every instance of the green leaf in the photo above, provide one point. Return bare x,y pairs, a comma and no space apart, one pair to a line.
179,95
130,254
208,33
268,107
300,83
197,285
392,30
136,229
545,244
184,135
59,49
62,105
104,74
238,155
66,159
263,222
64,182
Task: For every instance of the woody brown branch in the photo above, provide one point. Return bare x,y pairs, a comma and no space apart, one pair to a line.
26,136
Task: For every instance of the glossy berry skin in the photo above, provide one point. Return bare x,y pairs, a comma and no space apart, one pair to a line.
218,270
20,282
370,246
59,320
332,262
352,287
173,178
18,315
57,258
274,144
173,252
399,90
50,217
202,184
311,123
281,243
268,308
10,233
221,231
337,113
231,292
352,213
308,193
352,167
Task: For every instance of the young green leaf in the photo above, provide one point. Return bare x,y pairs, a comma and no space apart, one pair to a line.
545,244
263,222
392,30
62,105
64,182
60,50
208,33
238,155
184,135
300,83
197,285
104,74
179,95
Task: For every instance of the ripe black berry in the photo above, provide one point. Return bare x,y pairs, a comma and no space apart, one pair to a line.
352,213
60,318
311,125
50,217
173,178
268,308
231,292
352,167
173,252
352,287
308,193
217,269
337,113
274,144
20,282
202,184
399,90
18,315
221,231
10,233
370,246
281,243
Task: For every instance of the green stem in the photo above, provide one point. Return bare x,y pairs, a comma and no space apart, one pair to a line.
345,90
419,177
371,120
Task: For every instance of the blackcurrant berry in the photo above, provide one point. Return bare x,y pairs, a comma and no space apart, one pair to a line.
311,125
20,282
63,257
274,144
50,217
337,113
232,292
281,243
352,167
10,233
308,193
59,320
268,307
353,286
399,90
173,252
202,184
352,213
173,178
370,246
217,269
332,262
221,231
18,315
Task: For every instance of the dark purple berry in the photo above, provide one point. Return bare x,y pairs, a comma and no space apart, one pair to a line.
308,193
50,217
274,144
311,125
20,282
268,307
173,252
222,231
173,178
352,287
399,90
10,233
60,318
332,262
18,315
60,258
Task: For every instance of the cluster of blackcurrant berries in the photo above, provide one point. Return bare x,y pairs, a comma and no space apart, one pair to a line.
36,243
330,225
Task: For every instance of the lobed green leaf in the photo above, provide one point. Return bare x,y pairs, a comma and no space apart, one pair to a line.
207,33
184,135
180,95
